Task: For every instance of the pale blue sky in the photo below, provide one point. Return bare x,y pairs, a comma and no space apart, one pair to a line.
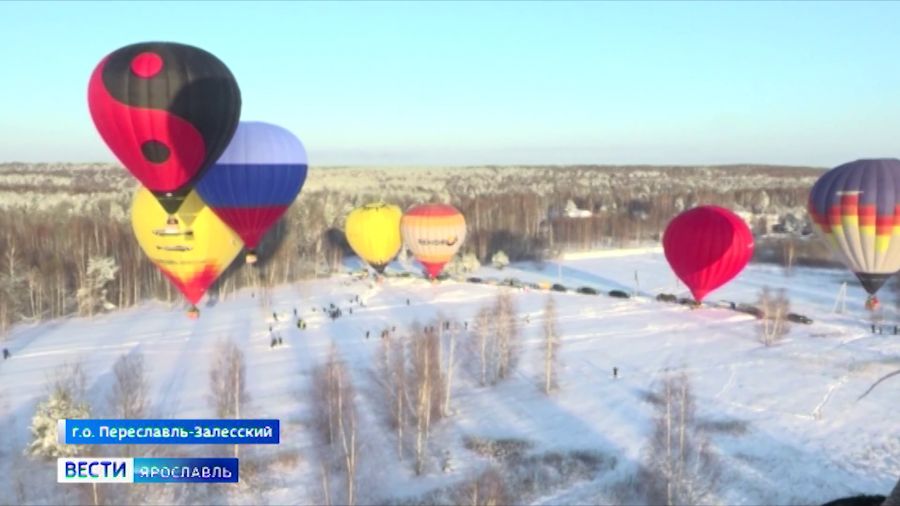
500,82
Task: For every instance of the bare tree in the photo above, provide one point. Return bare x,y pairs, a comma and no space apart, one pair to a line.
773,325
453,329
507,331
790,253
413,380
483,339
487,489
427,386
334,407
226,382
391,376
129,397
680,466
551,345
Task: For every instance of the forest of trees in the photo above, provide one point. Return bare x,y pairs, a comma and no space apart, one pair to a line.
66,244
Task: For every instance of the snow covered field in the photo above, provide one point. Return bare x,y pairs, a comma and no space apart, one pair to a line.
807,438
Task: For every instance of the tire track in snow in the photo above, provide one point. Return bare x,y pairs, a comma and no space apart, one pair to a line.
817,412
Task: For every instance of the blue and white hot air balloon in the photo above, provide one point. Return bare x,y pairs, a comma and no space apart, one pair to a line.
255,180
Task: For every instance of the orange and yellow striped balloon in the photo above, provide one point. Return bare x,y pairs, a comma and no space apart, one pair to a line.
193,253
434,233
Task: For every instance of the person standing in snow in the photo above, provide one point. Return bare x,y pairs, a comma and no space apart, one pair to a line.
6,353
615,372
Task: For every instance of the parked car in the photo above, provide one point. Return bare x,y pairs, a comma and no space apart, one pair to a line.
619,294
587,290
751,310
558,288
799,318
687,301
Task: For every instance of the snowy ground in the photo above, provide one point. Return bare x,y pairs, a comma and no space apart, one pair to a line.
808,439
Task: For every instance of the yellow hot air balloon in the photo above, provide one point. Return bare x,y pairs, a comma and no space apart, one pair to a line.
434,233
373,232
192,250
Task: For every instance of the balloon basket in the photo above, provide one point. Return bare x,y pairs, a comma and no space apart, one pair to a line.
193,313
872,303
251,258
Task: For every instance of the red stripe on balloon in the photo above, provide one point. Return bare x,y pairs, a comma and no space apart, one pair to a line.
432,210
250,223
433,268
194,287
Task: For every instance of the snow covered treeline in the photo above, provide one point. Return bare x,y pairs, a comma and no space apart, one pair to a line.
59,218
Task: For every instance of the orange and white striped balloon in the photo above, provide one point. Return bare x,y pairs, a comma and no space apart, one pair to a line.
434,233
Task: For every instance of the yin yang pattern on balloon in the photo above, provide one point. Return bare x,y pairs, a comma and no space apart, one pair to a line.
166,110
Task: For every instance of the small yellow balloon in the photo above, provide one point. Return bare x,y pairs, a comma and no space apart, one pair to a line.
192,248
373,232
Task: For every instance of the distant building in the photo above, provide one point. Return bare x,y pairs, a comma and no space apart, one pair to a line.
572,211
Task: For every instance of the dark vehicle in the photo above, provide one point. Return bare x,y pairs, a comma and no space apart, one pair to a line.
515,283
685,301
586,290
558,288
751,310
799,318
474,280
619,294
666,297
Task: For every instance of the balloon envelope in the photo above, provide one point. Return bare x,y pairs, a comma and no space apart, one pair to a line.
167,111
194,256
256,179
707,247
373,232
434,233
856,207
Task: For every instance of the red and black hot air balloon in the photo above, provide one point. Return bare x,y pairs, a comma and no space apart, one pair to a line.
707,247
167,111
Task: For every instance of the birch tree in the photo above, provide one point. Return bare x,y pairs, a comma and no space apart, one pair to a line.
334,405
774,325
227,382
680,466
551,346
